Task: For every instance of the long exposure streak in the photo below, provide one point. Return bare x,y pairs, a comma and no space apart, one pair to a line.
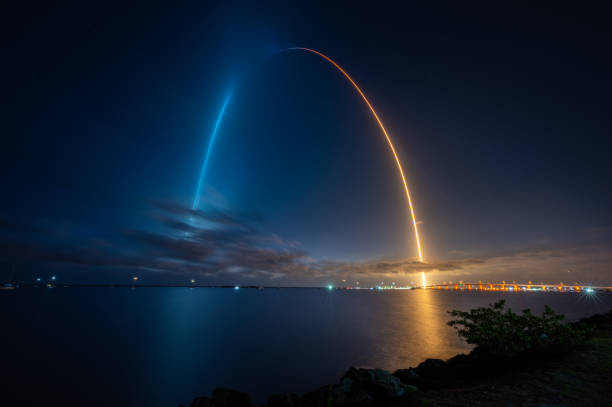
196,198
380,124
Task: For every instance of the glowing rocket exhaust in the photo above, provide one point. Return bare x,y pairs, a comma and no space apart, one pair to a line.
196,198
391,146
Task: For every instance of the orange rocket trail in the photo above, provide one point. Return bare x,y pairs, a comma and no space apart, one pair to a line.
382,127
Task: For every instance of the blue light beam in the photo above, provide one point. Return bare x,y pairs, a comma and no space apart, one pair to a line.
196,198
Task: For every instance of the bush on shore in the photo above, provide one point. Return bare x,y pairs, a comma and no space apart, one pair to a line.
503,333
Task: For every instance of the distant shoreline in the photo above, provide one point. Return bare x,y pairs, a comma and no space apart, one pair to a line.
12,286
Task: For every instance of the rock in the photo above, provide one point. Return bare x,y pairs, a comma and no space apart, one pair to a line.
465,368
368,388
345,386
358,398
222,397
377,383
432,369
342,391
408,376
460,359
410,388
284,400
201,402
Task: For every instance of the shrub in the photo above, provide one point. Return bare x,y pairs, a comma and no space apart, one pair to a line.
503,333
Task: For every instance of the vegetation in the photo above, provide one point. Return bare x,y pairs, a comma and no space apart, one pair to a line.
503,333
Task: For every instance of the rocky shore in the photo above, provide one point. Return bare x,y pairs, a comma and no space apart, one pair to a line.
581,376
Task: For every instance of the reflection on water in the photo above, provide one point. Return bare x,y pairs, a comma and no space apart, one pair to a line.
165,346
432,322
412,328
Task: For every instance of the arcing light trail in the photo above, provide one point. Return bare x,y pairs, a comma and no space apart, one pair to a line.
387,137
196,198
380,124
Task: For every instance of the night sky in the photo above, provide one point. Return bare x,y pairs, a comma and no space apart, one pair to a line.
501,116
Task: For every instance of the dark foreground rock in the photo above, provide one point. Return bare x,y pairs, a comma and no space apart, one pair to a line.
580,377
458,370
357,388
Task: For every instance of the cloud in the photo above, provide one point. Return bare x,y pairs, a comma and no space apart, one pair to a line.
583,263
161,246
221,247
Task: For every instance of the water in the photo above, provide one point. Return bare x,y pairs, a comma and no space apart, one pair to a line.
164,346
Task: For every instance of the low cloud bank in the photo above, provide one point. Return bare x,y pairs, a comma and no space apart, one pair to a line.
220,247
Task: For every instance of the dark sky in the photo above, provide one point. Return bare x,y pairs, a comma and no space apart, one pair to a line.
501,115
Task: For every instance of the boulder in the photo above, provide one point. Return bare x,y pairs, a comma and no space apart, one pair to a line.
222,397
432,369
408,376
357,398
377,383
464,368
460,359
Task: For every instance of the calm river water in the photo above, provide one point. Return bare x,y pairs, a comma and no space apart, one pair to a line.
164,346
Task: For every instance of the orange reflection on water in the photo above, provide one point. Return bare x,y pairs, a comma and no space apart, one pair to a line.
413,329
432,320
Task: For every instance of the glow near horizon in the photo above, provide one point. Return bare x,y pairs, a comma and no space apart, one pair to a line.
378,120
196,199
